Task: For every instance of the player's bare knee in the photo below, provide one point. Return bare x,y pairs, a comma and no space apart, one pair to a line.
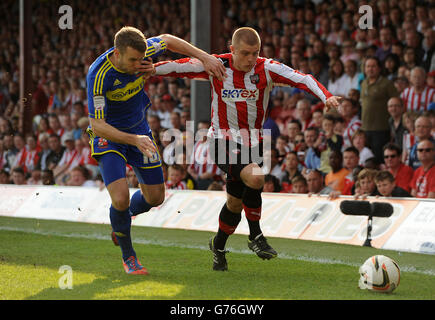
255,181
156,199
121,203
234,205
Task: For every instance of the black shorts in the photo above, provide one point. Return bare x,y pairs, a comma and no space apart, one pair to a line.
231,158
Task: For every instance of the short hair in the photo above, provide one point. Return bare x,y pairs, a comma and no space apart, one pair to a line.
130,37
393,147
384,175
84,171
247,35
367,173
177,167
299,178
352,149
378,62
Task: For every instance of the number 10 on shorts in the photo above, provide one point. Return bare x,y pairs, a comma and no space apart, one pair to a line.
155,158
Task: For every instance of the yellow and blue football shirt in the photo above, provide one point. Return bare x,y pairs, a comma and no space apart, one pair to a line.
120,99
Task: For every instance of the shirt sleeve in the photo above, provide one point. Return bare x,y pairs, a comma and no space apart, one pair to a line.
155,47
182,68
97,84
283,75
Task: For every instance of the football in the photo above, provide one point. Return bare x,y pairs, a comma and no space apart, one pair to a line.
380,274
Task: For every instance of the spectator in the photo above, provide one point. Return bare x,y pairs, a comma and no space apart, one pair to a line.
132,180
336,178
202,168
423,131
349,110
80,177
376,90
291,170
20,157
276,165
315,184
299,185
32,154
317,116
391,66
56,152
401,83
47,177
359,142
18,176
54,123
312,154
4,177
429,50
68,160
271,184
409,139
282,145
303,113
295,126
366,179
349,52
397,129
351,163
337,78
386,42
418,96
386,186
175,178
352,78
423,180
44,150
317,70
401,172
328,141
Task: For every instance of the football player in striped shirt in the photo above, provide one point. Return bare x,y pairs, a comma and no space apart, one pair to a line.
238,110
119,132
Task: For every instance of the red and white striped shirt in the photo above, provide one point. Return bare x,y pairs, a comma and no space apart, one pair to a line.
419,102
69,157
201,159
240,101
353,125
181,185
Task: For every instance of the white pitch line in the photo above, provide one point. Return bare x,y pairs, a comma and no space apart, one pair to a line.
163,243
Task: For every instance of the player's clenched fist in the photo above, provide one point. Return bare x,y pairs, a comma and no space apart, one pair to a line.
145,145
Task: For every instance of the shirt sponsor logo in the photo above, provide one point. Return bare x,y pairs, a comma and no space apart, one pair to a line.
239,95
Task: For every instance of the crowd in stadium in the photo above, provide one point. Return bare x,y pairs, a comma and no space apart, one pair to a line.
344,151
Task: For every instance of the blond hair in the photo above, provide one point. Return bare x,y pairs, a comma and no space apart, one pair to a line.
247,35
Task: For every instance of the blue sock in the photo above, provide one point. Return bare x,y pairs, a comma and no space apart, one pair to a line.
121,225
138,204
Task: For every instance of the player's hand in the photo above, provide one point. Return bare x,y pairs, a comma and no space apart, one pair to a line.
214,67
146,68
145,145
332,102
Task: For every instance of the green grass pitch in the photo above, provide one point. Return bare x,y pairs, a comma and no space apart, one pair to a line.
32,252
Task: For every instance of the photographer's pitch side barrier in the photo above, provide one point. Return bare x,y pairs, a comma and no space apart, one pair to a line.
410,228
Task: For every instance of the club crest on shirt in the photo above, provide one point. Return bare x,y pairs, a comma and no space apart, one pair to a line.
255,78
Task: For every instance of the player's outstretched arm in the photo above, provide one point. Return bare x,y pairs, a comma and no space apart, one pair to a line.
212,65
332,102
